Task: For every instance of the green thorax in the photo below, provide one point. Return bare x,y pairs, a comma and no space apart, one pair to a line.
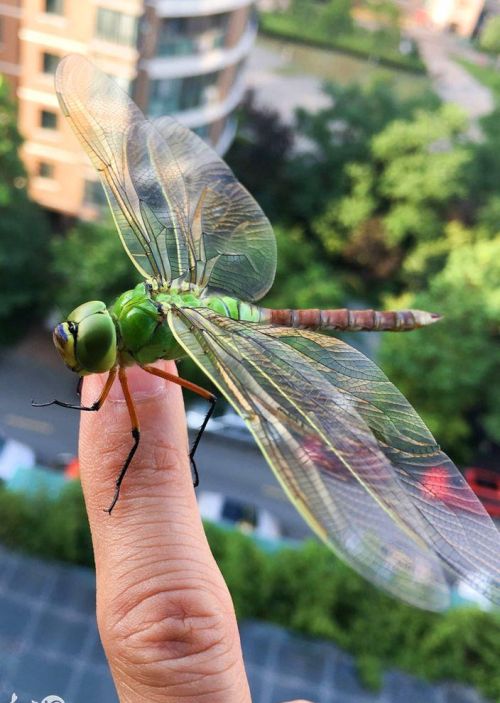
143,334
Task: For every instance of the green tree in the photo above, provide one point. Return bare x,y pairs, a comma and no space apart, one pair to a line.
490,36
399,198
303,279
451,371
336,17
386,12
328,17
483,174
24,234
337,135
260,154
90,263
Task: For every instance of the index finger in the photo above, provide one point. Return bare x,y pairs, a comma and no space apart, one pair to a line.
164,613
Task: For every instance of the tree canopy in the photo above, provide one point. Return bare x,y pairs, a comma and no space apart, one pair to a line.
89,263
490,36
391,204
451,370
24,234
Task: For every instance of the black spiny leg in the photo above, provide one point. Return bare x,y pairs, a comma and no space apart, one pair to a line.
196,479
95,406
136,435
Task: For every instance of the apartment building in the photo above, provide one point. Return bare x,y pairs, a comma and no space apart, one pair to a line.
459,16
10,18
178,57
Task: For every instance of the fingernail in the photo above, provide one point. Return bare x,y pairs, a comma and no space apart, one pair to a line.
141,385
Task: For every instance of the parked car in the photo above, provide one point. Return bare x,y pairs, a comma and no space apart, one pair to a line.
464,593
486,485
246,517
32,480
72,468
14,455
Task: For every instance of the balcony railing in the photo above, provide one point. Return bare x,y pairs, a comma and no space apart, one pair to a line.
192,8
161,67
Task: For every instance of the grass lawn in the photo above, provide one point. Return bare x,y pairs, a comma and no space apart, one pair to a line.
487,75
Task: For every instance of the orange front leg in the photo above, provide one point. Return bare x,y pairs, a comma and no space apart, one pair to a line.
212,399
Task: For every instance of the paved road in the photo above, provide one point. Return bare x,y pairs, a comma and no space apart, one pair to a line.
34,370
279,90
452,82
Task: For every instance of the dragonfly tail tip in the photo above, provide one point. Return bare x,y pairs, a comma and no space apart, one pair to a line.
423,318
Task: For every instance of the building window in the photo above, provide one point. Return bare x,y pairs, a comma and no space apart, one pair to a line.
116,27
93,194
49,62
54,7
203,131
192,35
45,170
48,119
172,95
164,97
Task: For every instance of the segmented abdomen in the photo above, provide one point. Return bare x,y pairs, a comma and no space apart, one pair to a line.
342,319
350,320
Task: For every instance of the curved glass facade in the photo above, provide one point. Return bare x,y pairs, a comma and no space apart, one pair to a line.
183,36
170,95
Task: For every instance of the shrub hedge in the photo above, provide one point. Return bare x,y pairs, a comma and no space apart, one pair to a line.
305,589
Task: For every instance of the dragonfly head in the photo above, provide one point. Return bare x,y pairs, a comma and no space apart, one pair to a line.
86,340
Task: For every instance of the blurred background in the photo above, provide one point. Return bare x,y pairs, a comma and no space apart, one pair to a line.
369,132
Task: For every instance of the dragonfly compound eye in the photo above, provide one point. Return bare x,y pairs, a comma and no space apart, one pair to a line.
64,339
87,340
96,343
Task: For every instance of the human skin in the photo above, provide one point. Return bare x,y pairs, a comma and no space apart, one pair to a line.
165,615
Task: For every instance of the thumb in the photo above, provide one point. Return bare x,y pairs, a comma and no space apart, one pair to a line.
164,613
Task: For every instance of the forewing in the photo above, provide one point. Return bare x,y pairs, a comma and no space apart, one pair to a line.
116,136
234,243
322,451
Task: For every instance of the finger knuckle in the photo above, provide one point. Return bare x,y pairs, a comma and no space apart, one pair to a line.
183,628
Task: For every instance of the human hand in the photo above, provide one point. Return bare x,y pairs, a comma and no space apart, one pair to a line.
164,612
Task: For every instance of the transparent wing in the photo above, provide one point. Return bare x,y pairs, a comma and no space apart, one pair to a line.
178,208
351,453
318,449
116,136
233,239
457,526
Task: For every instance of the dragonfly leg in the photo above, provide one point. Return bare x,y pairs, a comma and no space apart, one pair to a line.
136,435
79,387
212,399
95,406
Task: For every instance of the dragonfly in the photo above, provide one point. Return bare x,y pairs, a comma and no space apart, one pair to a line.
348,449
